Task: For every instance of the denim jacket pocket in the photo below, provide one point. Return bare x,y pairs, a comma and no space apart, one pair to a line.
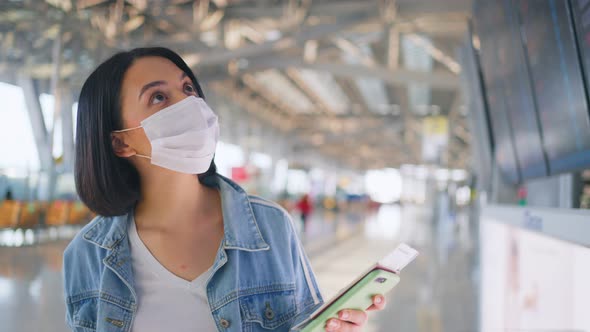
85,313
270,309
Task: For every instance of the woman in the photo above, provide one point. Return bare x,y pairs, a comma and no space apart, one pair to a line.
171,251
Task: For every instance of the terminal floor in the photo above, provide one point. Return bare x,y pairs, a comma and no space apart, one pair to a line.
437,292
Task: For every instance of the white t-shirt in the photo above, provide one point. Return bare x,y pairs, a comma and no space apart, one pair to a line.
166,302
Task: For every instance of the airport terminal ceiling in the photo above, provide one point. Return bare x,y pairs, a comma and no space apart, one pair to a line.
346,79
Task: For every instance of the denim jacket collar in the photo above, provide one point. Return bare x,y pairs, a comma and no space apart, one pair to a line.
240,227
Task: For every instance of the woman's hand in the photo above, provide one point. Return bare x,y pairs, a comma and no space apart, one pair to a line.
354,320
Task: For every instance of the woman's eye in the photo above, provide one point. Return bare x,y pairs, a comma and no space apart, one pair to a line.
189,88
158,98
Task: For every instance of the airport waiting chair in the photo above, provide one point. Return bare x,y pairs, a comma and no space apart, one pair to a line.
57,213
9,213
30,215
78,214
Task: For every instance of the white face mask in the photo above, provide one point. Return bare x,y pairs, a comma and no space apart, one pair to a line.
183,136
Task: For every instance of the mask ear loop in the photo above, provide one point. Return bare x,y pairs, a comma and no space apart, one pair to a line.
129,129
124,130
142,156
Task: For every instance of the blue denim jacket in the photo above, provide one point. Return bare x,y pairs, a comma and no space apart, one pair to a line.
261,279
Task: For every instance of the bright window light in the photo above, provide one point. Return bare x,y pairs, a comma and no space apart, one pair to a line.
228,156
297,182
280,177
463,195
458,175
18,149
384,186
261,160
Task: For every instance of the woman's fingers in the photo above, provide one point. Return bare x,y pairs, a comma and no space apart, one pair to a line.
348,320
379,303
337,325
354,320
358,317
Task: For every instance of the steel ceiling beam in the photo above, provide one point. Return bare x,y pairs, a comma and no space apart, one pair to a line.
346,116
437,79
318,8
67,127
359,104
296,40
418,8
40,131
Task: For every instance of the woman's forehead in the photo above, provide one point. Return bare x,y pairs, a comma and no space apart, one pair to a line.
148,69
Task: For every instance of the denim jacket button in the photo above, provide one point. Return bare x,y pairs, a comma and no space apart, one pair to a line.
224,323
269,313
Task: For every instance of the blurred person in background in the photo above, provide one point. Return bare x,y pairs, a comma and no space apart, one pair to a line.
305,207
8,196
175,246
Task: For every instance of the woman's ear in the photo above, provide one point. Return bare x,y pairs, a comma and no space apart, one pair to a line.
119,147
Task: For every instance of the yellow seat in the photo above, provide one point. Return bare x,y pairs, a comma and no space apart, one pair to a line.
30,215
78,214
57,213
9,213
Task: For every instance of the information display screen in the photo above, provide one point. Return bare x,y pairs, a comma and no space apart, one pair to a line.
488,18
555,32
519,97
476,101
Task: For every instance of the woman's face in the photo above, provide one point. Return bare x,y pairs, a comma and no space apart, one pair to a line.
149,85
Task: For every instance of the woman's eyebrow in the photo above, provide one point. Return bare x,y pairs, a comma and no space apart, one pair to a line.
149,86
157,83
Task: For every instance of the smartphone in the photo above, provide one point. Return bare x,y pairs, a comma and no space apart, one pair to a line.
359,296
